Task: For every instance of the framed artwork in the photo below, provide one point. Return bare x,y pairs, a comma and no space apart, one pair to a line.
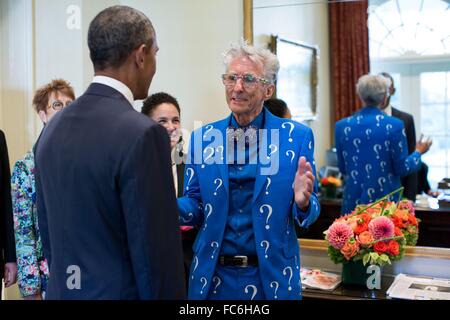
297,79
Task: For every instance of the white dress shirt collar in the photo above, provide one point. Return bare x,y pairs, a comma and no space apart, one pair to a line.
388,110
115,84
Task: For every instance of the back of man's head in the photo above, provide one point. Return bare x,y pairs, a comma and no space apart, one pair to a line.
389,77
114,33
372,89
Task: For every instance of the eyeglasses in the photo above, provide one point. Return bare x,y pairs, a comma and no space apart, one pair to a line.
58,104
249,81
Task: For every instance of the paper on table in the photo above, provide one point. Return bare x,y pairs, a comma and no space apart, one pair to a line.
419,288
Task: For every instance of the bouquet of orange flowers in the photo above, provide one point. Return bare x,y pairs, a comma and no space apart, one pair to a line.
376,233
333,181
329,186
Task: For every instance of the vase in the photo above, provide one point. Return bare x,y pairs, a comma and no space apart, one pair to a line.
355,273
330,191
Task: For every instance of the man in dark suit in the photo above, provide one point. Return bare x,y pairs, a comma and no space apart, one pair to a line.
8,267
106,199
409,182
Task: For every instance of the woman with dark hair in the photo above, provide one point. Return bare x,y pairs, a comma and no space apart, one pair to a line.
278,108
165,110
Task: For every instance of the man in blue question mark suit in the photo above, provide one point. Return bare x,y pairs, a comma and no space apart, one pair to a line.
248,179
372,149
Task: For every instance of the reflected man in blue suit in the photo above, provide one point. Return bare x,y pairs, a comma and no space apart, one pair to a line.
372,149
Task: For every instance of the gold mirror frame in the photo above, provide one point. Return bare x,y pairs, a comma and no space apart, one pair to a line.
248,21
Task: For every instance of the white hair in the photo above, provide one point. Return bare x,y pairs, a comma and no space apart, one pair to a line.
243,49
372,89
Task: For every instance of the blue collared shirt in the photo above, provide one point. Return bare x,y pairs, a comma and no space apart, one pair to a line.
239,238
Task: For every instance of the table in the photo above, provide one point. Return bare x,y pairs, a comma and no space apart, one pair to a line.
350,292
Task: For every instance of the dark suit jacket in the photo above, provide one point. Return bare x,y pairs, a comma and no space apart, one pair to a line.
409,182
180,179
7,244
106,202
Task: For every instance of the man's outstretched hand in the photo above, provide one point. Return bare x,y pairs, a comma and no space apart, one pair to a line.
303,183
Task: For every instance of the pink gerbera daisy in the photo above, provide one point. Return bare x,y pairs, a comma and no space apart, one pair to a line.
338,234
381,227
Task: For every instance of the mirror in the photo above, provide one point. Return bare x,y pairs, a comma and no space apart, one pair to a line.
307,22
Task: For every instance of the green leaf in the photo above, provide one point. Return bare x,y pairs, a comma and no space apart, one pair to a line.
366,258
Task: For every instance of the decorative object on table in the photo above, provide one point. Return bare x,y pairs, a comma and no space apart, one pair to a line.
419,288
372,234
330,185
318,279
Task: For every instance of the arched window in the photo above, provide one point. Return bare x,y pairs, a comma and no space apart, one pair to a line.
409,28
410,39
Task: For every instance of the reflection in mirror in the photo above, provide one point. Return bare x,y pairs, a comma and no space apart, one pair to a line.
297,79
292,20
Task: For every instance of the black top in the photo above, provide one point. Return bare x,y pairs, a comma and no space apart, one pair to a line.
409,182
7,244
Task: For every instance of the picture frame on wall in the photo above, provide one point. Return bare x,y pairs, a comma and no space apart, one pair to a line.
297,79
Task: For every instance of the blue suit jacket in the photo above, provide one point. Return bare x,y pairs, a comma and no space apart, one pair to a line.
206,203
372,155
106,202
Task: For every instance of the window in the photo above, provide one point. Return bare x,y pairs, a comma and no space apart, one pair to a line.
409,27
410,39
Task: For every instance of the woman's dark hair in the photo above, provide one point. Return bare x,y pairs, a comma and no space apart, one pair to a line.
153,101
277,107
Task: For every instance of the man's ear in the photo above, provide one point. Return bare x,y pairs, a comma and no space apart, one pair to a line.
140,55
43,116
269,91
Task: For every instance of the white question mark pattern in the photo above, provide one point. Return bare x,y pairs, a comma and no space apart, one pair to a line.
209,210
217,181
266,246
269,208
379,117
346,131
290,276
356,143
208,129
388,127
381,181
255,290
269,181
215,246
377,148
292,156
290,130
195,262
354,173
220,150
276,285
370,192
218,283
275,149
203,279
368,168
189,170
